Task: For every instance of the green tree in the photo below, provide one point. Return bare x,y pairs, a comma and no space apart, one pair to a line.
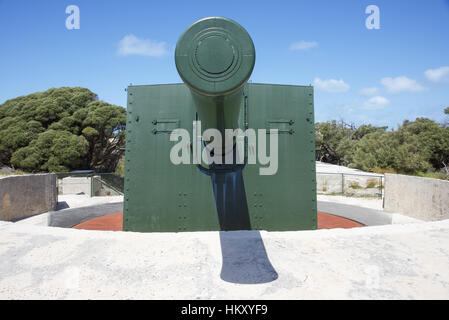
61,129
431,140
104,128
416,147
328,136
336,141
54,151
376,150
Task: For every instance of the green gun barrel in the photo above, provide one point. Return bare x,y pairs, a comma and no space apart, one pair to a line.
215,57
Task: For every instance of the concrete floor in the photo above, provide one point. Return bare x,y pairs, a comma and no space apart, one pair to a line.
387,262
77,201
372,203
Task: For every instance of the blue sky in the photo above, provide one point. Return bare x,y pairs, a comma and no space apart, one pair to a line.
400,71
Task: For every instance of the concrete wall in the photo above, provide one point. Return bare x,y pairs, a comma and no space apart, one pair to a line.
27,195
421,198
75,185
348,184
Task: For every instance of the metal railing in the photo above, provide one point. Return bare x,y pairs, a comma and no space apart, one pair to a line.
113,181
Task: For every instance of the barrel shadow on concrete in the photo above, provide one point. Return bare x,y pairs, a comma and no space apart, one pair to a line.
62,205
245,259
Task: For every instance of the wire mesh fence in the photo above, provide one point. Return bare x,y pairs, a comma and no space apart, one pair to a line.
90,183
328,183
350,184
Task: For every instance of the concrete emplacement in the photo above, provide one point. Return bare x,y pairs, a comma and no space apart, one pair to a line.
394,257
379,262
375,262
253,259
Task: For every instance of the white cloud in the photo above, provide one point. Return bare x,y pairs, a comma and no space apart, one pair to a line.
132,45
376,102
303,45
368,91
437,75
401,84
331,85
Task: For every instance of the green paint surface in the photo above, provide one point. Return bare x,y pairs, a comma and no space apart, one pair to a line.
163,197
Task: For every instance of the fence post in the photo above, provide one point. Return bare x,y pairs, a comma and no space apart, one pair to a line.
382,195
91,185
342,184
